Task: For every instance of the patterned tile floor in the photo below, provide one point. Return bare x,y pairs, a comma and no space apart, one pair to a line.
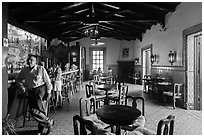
188,122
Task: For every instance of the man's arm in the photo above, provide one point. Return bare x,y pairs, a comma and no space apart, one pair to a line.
47,80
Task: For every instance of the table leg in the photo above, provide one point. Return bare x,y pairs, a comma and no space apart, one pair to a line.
118,130
106,100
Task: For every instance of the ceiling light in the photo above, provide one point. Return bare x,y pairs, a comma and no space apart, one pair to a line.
92,33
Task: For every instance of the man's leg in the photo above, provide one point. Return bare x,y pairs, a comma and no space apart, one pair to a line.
38,109
60,99
40,128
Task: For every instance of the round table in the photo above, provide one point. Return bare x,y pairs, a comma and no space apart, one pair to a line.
118,115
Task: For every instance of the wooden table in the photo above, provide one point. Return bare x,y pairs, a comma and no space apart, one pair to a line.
118,115
163,86
105,78
106,88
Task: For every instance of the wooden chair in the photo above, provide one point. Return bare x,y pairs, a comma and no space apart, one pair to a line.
87,127
90,91
65,90
97,80
119,97
140,122
164,127
84,125
87,108
175,94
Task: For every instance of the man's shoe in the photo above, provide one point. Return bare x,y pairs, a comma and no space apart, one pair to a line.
50,126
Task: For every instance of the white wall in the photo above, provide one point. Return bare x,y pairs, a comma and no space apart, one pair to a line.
113,49
130,45
186,15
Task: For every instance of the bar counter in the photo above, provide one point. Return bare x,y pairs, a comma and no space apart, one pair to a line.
69,72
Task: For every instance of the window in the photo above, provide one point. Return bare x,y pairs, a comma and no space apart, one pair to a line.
97,58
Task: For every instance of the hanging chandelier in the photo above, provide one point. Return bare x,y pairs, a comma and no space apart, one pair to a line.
92,33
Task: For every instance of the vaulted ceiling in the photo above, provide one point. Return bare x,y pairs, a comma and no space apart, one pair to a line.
68,21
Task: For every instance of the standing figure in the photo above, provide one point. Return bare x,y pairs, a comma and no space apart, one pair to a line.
58,85
99,71
37,85
110,72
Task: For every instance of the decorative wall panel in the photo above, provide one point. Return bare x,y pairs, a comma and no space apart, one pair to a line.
190,71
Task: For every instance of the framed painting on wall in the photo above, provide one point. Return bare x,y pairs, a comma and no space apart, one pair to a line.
125,52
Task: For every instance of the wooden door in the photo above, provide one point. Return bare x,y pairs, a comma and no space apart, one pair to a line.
198,72
194,71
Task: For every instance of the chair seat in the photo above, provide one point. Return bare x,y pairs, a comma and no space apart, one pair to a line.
103,132
113,97
97,122
100,97
99,92
168,93
171,94
142,131
111,92
138,123
100,126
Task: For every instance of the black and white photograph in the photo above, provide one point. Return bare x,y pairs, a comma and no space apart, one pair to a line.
101,67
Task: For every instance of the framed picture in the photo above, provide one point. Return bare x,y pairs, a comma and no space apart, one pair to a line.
125,52
5,42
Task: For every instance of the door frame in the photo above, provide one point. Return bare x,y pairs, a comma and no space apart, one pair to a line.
198,76
143,49
186,32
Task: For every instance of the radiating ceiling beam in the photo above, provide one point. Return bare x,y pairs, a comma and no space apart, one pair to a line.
74,5
111,6
155,7
130,31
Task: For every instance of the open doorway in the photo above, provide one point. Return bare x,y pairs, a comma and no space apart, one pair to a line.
146,61
193,79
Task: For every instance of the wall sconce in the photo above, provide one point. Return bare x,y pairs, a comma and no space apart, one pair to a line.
172,57
73,53
153,58
136,60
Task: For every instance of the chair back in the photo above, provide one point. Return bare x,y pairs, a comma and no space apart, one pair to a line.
119,84
87,106
135,101
83,127
166,126
96,79
177,90
89,90
148,76
123,93
145,76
